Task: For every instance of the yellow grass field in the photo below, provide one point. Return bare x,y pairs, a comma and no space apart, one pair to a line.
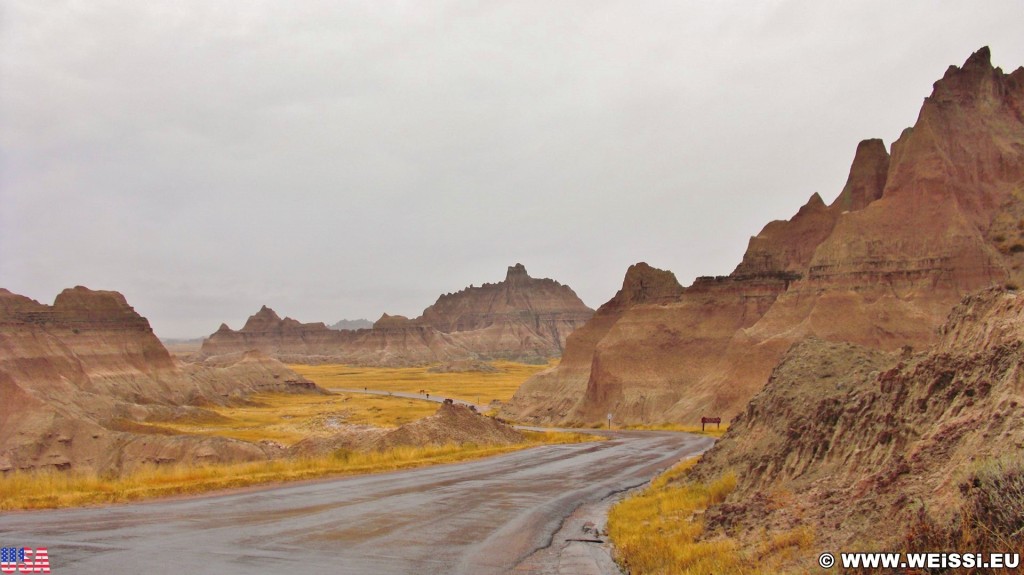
288,418
660,531
475,387
54,489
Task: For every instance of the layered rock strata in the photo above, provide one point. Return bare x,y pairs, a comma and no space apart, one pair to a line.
84,382
913,230
520,318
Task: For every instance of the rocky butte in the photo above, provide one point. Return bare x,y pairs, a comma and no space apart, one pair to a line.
521,319
85,383
916,227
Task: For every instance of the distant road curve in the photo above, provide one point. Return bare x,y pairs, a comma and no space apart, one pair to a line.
523,512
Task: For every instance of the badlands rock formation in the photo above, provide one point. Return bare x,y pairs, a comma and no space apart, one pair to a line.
83,380
867,447
913,230
282,338
520,318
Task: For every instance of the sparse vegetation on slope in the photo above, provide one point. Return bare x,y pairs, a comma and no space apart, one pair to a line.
887,452
989,519
661,531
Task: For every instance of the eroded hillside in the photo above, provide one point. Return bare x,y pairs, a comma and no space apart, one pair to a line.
914,230
870,447
83,381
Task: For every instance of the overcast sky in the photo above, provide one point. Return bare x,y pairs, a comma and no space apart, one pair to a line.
343,159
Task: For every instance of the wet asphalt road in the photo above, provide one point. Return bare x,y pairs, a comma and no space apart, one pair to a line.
497,515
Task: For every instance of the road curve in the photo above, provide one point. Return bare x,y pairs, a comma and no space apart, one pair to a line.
507,514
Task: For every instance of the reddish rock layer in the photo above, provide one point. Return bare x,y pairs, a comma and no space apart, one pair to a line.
908,236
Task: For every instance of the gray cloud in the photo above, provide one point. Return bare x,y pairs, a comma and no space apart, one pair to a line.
345,159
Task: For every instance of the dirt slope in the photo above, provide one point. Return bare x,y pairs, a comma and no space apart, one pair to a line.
856,442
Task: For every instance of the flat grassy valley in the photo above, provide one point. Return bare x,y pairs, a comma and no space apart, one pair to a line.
289,418
285,419
475,387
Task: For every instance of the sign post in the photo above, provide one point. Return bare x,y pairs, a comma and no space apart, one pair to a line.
716,420
609,421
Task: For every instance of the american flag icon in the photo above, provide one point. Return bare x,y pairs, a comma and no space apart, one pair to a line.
24,560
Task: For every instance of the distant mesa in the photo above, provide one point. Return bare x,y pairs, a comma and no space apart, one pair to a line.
352,324
520,318
914,229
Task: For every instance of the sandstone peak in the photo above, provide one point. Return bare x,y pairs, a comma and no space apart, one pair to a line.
80,298
515,272
979,62
981,59
267,312
391,321
647,284
813,203
867,178
262,320
966,82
